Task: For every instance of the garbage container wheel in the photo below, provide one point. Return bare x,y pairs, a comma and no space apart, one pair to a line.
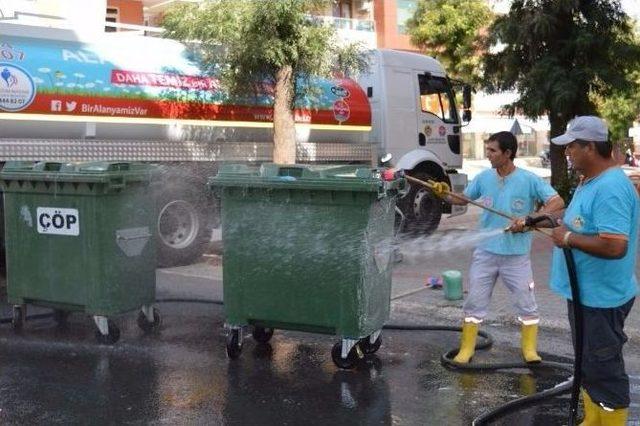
234,344
346,363
110,338
18,318
60,316
262,334
368,347
148,326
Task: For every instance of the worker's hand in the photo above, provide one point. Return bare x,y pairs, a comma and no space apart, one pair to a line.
558,234
440,189
518,225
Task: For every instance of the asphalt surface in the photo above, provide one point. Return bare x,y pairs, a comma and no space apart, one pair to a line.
181,376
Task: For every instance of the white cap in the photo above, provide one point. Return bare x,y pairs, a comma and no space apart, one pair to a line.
586,128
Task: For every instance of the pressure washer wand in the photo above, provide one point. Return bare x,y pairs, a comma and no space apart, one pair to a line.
431,185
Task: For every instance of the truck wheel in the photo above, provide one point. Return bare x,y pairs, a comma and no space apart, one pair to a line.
182,228
422,209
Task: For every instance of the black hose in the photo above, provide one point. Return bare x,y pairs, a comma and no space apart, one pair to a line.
559,389
9,320
579,335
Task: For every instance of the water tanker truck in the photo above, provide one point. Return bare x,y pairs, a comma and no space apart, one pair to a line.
134,98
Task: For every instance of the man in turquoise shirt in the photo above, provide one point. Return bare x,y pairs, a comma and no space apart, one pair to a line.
600,225
515,192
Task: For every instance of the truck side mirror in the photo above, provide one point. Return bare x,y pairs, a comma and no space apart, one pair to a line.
466,115
466,97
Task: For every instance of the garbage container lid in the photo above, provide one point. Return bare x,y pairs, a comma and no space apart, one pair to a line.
327,177
90,172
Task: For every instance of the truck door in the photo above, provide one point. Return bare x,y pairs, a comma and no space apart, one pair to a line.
438,121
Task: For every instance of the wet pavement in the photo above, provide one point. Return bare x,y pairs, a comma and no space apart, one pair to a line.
181,375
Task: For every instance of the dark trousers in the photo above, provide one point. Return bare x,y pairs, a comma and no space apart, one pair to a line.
603,374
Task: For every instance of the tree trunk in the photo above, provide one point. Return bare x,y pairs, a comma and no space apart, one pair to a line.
559,175
284,131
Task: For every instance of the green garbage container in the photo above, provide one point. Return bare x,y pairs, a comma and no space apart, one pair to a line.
79,238
310,249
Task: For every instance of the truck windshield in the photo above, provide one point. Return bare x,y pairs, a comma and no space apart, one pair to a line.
436,97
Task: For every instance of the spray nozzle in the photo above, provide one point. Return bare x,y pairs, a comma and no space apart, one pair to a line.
531,221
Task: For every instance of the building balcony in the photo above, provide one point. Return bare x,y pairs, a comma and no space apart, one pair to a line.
352,30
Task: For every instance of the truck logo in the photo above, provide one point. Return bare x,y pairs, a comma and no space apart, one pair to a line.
58,221
340,92
341,110
428,130
17,88
9,79
442,130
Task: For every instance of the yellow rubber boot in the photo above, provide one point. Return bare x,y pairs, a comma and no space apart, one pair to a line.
591,411
617,417
467,343
529,342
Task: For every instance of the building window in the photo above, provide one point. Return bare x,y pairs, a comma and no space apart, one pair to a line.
405,11
112,16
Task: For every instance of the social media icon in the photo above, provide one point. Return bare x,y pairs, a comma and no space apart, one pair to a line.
71,105
56,105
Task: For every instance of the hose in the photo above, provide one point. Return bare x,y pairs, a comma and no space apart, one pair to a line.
9,320
579,334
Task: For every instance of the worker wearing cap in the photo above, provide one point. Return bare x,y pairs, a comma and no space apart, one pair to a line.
600,225
514,191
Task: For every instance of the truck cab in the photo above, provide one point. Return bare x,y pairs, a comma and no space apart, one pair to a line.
414,116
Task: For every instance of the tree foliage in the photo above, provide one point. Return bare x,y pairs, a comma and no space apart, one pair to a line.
250,43
620,109
560,55
450,30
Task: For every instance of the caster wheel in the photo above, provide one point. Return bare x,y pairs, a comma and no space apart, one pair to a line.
346,363
18,318
262,334
147,326
368,347
60,317
112,337
234,345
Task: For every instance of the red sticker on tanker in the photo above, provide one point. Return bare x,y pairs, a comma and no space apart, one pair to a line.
341,110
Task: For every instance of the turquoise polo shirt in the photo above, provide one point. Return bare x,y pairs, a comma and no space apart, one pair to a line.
516,195
606,204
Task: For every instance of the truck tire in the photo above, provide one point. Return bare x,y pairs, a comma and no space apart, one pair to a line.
183,228
421,208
